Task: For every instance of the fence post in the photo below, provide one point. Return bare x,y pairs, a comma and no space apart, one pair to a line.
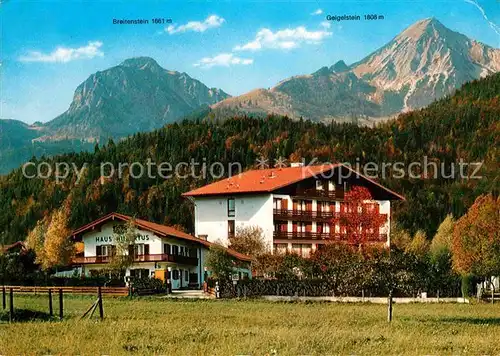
389,307
61,306
51,310
101,310
11,305
4,303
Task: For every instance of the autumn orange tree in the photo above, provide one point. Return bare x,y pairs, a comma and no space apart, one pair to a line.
476,239
359,218
50,240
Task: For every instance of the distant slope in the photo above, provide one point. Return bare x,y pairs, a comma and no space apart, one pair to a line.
422,64
464,126
136,96
15,133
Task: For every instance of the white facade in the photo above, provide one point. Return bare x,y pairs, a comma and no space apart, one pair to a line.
212,218
181,273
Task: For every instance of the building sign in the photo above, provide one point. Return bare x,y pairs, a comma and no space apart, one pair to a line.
110,239
118,236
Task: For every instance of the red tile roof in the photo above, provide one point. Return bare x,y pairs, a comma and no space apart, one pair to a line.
161,230
260,180
268,180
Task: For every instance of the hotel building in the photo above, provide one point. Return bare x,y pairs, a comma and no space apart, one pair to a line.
293,206
158,251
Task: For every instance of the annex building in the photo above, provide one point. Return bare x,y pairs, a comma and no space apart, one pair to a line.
158,251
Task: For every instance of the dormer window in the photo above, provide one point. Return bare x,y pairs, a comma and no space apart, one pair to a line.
231,207
319,185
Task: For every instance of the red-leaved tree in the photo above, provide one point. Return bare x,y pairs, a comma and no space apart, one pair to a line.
359,218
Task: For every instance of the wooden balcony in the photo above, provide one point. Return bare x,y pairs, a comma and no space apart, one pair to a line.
302,215
162,257
312,236
319,194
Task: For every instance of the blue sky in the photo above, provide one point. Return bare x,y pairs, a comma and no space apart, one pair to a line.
49,47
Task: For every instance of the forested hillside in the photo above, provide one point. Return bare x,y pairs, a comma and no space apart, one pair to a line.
465,126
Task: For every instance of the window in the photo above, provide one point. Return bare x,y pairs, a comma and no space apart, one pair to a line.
167,249
141,249
230,228
231,208
182,251
175,274
280,248
319,185
175,250
186,276
139,273
303,250
276,204
105,250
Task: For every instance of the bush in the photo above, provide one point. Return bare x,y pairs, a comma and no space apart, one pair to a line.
143,286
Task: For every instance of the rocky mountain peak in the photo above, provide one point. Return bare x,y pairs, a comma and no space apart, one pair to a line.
339,67
140,62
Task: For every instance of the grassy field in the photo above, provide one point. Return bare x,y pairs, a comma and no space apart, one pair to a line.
212,327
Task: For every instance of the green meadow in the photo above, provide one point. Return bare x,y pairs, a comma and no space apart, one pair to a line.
228,327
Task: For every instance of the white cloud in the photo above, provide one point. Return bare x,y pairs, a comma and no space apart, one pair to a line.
317,12
211,21
64,54
325,24
493,26
222,60
283,39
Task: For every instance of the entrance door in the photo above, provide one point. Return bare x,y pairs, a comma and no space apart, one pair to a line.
175,279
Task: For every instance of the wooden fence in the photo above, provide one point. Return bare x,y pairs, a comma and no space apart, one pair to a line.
106,291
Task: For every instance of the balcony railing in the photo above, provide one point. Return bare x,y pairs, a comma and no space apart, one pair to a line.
284,214
320,193
309,235
305,215
162,257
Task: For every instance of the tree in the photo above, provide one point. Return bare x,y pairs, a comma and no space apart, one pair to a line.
17,267
400,238
249,240
50,239
219,262
441,243
359,217
440,255
476,239
419,246
123,256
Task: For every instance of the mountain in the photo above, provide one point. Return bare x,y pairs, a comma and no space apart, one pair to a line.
427,61
14,133
420,65
18,143
137,95
460,128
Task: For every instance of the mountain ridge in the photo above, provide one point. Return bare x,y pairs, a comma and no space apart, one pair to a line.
138,91
423,63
